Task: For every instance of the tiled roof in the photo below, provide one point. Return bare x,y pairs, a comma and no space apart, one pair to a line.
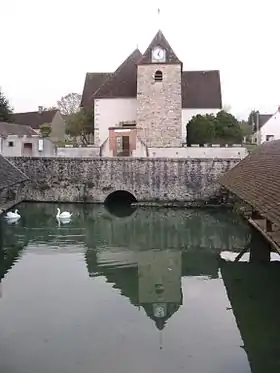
15,129
34,119
9,174
160,40
263,118
93,81
123,83
201,90
256,180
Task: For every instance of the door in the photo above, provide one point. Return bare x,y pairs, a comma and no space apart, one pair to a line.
125,146
27,149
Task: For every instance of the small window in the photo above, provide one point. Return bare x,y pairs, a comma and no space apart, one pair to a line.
11,143
158,76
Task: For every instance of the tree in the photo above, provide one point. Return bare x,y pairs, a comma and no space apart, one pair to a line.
246,129
201,129
69,104
5,109
227,128
222,129
45,129
80,124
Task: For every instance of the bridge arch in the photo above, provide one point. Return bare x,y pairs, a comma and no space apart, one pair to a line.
120,197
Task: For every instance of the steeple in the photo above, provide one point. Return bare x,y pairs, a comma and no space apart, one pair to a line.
159,40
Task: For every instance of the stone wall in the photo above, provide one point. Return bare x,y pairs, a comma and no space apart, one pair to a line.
148,179
159,109
12,195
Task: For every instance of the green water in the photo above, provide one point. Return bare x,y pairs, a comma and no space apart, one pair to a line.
140,293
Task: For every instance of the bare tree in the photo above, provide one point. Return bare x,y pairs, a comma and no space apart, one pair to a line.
69,104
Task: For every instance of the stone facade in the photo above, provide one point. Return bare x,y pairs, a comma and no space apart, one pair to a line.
12,195
149,180
159,105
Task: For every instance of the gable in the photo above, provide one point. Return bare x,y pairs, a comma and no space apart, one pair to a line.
160,40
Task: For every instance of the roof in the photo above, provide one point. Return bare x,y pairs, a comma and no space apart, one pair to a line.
123,83
93,81
256,180
34,119
201,90
160,40
15,129
9,174
263,118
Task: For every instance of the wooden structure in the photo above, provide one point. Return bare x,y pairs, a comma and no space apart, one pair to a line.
256,181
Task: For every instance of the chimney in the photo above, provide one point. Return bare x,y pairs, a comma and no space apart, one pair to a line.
40,109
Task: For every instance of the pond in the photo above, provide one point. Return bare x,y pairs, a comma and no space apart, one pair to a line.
135,291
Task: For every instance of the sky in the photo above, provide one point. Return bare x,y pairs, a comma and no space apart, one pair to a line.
47,46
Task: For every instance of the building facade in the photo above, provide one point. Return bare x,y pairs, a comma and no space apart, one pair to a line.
151,93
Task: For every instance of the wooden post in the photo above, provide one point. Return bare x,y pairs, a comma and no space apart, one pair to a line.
268,226
256,215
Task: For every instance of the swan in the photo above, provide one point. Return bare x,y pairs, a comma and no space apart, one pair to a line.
12,215
63,215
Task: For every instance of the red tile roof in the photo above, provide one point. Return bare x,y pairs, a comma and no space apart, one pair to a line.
256,180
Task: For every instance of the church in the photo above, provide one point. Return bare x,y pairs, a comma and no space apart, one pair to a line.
144,106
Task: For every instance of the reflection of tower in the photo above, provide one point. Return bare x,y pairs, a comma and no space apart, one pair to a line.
159,279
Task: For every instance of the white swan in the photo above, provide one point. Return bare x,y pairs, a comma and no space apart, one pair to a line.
12,215
63,215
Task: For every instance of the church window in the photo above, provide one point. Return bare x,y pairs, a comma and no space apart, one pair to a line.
158,76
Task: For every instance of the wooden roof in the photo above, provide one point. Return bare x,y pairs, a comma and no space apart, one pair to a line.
256,180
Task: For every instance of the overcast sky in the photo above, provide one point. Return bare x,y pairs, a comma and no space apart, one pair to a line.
47,46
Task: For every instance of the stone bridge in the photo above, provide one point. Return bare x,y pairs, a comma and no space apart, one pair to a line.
147,179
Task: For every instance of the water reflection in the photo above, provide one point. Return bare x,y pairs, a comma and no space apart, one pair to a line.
163,268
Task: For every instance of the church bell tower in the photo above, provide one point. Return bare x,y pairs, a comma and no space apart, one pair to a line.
159,96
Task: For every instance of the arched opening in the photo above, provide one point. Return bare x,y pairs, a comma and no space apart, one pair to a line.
119,203
158,76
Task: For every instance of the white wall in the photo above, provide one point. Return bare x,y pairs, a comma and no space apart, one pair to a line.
187,115
78,152
108,112
271,127
195,152
17,149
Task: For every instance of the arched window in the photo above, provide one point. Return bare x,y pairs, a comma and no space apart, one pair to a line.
158,76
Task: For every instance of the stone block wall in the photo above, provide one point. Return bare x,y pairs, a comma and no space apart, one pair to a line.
148,179
12,195
159,106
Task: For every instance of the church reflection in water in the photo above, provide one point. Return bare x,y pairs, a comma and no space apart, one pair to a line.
150,279
144,257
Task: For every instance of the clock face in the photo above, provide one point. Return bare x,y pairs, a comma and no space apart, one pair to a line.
158,54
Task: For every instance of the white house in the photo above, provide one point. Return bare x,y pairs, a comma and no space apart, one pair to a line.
148,101
269,128
19,140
